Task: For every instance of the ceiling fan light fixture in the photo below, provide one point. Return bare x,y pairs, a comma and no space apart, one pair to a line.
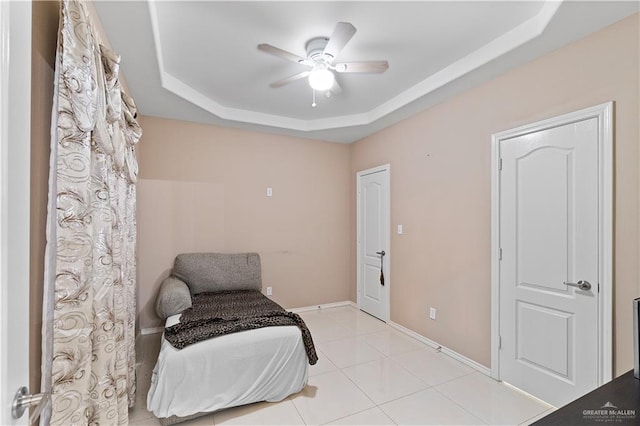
321,78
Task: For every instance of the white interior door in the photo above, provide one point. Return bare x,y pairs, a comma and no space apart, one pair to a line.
15,112
549,235
373,242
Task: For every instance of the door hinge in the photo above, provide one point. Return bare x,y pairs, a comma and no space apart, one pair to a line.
500,164
500,254
598,287
499,342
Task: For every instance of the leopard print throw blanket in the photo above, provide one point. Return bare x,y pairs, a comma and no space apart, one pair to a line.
217,314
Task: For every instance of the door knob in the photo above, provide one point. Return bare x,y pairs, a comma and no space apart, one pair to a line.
381,253
582,285
23,400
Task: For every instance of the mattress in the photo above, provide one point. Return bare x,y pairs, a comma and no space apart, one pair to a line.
265,364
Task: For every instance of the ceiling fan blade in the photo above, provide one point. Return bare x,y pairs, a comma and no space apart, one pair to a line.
339,39
370,67
283,54
288,80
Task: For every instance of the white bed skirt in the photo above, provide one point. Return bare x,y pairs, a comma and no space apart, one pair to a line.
266,364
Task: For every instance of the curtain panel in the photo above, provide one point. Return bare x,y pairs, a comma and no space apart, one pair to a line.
90,264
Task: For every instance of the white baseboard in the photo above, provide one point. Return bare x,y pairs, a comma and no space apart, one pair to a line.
322,306
151,330
450,352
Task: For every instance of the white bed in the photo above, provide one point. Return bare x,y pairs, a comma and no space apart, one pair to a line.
265,364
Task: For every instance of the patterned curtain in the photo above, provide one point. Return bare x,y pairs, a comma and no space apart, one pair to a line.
90,266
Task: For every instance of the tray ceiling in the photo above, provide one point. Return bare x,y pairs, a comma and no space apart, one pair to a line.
198,61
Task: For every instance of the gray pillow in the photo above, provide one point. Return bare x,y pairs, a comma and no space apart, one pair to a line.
173,298
214,272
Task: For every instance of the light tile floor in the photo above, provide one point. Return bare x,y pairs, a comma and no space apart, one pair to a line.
368,373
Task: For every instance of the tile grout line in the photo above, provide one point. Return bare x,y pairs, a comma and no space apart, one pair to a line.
362,411
359,363
384,356
411,373
363,392
403,396
527,394
358,387
458,404
537,416
296,407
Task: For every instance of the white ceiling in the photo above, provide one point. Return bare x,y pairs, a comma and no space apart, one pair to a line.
198,61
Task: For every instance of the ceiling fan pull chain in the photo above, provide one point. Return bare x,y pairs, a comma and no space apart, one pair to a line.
313,95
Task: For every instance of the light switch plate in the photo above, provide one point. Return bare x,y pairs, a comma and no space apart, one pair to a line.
400,230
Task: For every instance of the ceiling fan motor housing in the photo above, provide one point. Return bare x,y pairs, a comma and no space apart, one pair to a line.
315,48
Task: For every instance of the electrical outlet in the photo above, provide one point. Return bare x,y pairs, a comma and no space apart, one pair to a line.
432,313
269,192
269,291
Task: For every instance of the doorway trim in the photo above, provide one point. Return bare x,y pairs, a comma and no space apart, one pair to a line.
387,230
15,148
604,114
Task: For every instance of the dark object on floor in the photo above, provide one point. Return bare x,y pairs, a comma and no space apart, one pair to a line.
617,402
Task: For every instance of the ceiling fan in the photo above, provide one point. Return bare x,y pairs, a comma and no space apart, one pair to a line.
321,53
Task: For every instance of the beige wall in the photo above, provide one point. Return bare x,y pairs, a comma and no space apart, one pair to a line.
203,188
441,187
